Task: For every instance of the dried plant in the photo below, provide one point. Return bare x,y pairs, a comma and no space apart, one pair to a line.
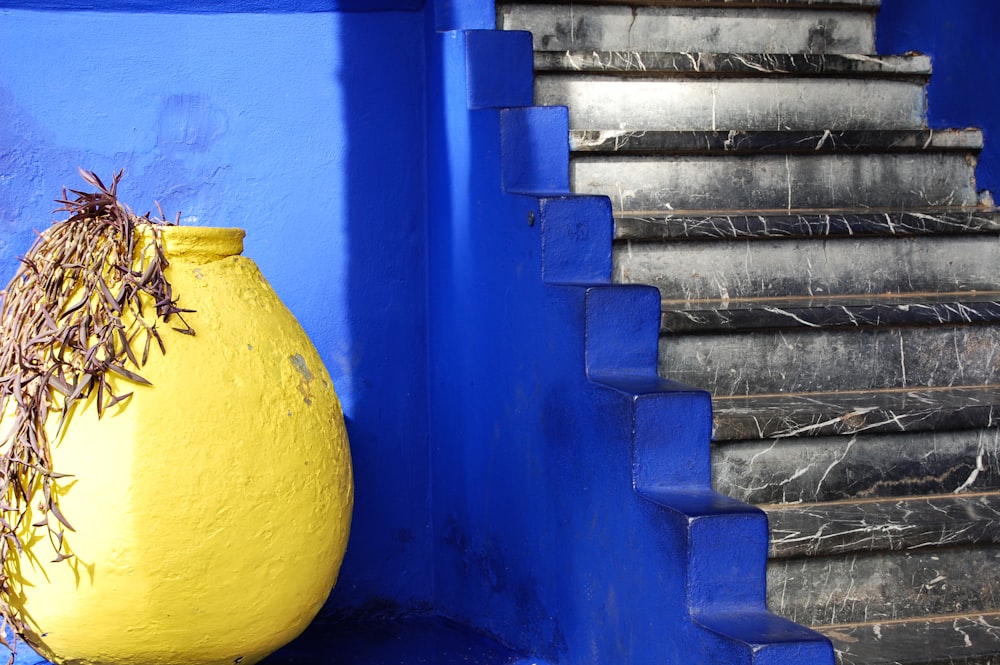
74,316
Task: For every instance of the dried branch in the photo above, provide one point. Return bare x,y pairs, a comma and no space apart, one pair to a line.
71,318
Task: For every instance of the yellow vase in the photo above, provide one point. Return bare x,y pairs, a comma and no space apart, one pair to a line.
211,510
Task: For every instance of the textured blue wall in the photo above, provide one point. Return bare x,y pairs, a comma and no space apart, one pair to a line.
307,129
216,6
961,38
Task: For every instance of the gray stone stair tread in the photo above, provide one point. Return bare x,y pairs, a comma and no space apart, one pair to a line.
708,142
964,639
651,63
850,5
653,226
896,524
918,409
711,316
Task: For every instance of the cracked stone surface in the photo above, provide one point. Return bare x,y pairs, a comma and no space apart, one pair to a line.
619,27
827,269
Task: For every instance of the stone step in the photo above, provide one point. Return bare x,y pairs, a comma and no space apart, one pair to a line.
817,414
720,316
761,225
721,26
867,358
885,585
903,524
960,639
689,66
695,142
752,101
885,559
776,182
867,464
818,268
710,91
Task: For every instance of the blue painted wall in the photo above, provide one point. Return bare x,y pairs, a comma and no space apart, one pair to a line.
961,38
307,129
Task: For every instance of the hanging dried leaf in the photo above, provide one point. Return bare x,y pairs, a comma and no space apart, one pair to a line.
70,320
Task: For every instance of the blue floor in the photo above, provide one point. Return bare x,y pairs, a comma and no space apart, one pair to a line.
404,642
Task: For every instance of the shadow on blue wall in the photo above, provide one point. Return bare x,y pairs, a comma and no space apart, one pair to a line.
387,571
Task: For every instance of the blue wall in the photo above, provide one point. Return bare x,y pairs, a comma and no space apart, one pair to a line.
307,129
961,38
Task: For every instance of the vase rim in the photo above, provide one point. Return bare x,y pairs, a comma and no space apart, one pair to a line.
202,244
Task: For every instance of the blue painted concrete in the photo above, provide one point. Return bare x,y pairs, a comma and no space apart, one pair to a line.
215,6
572,511
961,38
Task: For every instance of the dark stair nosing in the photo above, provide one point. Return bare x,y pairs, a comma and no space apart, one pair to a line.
659,225
744,315
659,63
895,524
917,409
709,142
960,639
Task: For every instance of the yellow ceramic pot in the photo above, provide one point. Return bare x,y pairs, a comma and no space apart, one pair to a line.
211,510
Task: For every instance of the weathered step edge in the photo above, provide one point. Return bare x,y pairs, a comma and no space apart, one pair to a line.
756,65
782,416
655,226
844,527
708,142
961,639
726,316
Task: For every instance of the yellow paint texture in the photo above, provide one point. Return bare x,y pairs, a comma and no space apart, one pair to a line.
211,510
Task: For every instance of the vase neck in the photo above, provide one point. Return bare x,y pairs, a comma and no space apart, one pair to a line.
199,244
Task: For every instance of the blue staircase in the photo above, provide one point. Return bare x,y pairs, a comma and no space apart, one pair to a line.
573,509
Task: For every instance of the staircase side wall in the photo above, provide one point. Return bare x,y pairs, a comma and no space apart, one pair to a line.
572,512
307,129
964,91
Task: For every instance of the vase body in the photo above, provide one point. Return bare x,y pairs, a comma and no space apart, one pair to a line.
211,509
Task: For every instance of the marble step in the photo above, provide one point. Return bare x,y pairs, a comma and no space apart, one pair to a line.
959,639
818,414
664,225
778,181
869,358
720,316
724,65
963,455
903,524
885,585
694,142
814,27
818,268
751,101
